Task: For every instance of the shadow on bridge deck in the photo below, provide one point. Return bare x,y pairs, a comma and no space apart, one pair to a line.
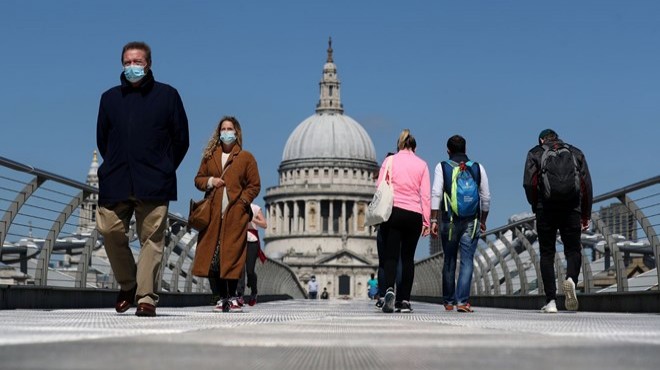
334,334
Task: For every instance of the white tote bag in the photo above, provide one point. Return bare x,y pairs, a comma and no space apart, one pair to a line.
380,208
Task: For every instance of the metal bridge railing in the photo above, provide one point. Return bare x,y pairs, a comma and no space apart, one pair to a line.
620,251
48,237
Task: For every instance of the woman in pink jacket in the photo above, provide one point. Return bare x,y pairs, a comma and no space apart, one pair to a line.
409,219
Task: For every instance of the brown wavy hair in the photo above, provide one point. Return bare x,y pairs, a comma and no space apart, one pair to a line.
214,141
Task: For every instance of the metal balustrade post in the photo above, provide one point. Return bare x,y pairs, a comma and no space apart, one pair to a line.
478,276
520,235
85,257
621,278
611,245
493,272
41,273
587,274
505,269
483,272
15,206
560,273
522,274
179,262
189,280
172,240
648,228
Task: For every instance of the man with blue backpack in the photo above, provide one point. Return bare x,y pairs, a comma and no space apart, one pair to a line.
461,197
558,187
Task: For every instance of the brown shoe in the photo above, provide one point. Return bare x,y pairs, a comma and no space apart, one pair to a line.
146,309
464,308
125,300
449,307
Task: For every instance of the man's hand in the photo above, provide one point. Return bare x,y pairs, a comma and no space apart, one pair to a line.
585,224
482,226
434,229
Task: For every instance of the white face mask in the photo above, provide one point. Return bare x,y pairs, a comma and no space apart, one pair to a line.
228,137
134,73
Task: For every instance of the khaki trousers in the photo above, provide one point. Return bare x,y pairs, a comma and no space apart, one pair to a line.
113,222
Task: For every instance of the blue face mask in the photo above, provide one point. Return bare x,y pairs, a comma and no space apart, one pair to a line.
134,73
228,137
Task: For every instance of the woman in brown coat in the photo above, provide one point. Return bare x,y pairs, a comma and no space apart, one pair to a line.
231,174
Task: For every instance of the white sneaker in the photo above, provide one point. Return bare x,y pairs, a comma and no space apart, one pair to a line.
550,307
218,306
235,305
571,298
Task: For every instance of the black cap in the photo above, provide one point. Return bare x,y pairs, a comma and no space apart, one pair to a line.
546,132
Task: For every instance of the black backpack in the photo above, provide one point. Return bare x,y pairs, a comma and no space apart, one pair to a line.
560,174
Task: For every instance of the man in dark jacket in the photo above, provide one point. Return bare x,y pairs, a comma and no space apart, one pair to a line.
558,187
142,135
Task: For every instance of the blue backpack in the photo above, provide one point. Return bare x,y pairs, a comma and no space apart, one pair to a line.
461,191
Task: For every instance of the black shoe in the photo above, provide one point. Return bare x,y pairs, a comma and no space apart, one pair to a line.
388,305
405,307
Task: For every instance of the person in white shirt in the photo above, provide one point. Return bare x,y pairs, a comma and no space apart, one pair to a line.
458,232
313,287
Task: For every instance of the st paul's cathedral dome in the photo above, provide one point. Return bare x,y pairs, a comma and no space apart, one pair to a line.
316,214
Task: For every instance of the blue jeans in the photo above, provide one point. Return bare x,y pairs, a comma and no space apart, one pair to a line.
462,238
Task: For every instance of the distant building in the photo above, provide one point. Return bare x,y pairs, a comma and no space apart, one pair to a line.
87,220
619,220
316,214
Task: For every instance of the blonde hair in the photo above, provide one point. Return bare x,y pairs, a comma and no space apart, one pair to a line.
406,141
214,141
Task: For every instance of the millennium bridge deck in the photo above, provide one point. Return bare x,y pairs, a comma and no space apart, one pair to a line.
333,334
57,292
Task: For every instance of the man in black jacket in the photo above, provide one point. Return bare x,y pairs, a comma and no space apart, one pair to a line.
558,187
142,135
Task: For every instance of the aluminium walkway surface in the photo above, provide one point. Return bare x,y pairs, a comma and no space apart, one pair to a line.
334,334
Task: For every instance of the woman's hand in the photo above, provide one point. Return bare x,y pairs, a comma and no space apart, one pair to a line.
426,231
217,182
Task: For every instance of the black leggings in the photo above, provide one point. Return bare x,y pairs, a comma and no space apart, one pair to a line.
401,234
224,288
250,262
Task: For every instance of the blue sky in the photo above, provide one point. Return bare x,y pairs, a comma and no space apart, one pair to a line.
496,72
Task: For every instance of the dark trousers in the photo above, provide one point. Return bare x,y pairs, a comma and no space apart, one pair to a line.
570,230
380,245
225,288
401,233
250,262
